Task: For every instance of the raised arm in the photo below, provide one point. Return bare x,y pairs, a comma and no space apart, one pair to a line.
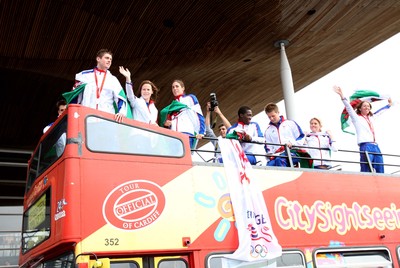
207,118
347,105
338,90
128,86
126,73
225,121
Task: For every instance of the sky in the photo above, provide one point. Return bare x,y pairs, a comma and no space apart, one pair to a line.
378,70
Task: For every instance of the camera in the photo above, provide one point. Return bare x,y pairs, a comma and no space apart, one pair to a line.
213,101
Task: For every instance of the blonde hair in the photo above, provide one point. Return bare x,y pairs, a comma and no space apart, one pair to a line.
316,119
271,107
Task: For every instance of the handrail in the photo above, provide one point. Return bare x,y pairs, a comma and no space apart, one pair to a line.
200,152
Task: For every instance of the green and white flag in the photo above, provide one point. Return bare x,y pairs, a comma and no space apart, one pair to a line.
83,95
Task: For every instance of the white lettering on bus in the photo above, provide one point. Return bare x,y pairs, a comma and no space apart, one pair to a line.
148,220
129,187
139,224
60,215
135,205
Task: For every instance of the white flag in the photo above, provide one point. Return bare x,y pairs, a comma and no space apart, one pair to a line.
257,241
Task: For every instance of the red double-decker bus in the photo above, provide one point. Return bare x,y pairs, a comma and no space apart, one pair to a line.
106,194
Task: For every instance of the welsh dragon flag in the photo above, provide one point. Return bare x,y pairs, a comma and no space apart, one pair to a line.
358,97
257,241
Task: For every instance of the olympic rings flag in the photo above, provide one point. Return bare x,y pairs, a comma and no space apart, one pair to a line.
257,241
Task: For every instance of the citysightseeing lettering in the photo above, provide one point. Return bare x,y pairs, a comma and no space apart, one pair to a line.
341,218
134,205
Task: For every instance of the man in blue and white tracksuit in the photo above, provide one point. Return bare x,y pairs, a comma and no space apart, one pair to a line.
249,134
281,131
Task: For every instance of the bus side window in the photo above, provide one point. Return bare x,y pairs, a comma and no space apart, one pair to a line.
289,258
53,146
65,261
398,254
49,150
109,136
172,263
124,265
352,257
33,170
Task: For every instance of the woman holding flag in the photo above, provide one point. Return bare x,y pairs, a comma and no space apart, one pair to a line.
359,110
184,114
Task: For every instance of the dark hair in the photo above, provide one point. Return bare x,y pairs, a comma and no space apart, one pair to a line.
243,110
153,96
179,81
103,51
221,125
60,102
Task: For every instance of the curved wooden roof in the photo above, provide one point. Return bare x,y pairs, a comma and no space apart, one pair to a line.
221,46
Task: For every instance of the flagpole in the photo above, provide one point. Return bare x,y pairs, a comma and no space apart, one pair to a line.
287,81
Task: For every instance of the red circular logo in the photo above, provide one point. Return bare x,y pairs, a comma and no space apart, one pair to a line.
134,205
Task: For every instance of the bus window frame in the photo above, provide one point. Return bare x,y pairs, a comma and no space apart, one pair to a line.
126,127
125,261
153,261
284,251
65,254
56,136
160,259
353,250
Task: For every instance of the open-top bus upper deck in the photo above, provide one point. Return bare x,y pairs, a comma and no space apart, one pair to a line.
129,194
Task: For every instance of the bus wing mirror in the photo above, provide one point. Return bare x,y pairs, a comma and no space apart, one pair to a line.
100,263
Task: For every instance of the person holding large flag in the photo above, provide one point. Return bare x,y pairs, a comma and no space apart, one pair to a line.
359,110
184,114
97,88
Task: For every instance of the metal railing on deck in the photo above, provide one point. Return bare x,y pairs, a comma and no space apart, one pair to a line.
340,160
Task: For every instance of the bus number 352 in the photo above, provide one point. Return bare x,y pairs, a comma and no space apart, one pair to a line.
111,242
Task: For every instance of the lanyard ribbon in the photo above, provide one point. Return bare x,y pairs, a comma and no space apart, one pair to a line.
99,89
371,127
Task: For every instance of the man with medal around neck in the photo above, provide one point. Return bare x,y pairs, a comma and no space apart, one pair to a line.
103,90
